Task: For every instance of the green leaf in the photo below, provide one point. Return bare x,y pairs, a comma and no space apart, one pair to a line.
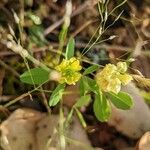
80,118
63,35
121,100
35,76
36,34
70,48
91,69
56,95
36,19
83,86
146,96
83,101
69,118
87,84
90,84
101,107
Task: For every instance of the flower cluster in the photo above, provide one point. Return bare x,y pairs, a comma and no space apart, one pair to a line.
112,77
69,71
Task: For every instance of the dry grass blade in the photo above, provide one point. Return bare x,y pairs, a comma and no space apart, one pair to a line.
145,82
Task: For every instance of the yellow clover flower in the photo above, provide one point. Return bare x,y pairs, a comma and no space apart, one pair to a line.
69,71
112,77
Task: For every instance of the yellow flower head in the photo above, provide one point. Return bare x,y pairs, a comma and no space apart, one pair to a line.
111,77
69,70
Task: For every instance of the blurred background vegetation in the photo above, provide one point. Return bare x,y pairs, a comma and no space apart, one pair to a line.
40,25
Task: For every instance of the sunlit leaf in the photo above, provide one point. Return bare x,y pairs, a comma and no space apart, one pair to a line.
121,100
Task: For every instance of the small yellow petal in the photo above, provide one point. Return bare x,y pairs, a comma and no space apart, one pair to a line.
62,66
114,85
122,67
125,78
75,65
